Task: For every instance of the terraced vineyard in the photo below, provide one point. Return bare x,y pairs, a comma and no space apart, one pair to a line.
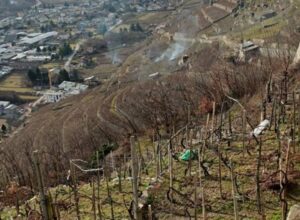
205,101
228,163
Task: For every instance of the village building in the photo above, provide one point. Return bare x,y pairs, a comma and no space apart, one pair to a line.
3,105
91,81
267,15
248,50
65,89
9,111
4,70
31,40
72,88
52,96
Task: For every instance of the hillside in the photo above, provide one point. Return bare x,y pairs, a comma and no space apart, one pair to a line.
231,163
206,98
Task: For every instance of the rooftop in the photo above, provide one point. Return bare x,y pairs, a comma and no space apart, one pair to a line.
71,86
38,38
4,103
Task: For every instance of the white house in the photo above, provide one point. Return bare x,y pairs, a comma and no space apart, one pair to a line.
72,87
53,96
3,105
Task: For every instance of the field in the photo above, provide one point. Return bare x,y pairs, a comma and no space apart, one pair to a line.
267,29
17,82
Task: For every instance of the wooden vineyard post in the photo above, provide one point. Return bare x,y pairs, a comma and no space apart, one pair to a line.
94,199
294,124
229,128
220,171
112,214
140,155
119,174
187,134
262,112
201,151
195,193
112,161
150,212
191,135
190,140
98,188
258,190
155,155
283,214
284,204
134,167
201,182
276,104
189,114
154,146
139,173
76,198
285,73
244,131
273,114
234,196
278,136
213,122
159,153
221,121
125,167
43,197
206,129
170,168
157,160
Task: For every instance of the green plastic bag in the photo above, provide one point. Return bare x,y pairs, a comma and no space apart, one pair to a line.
187,155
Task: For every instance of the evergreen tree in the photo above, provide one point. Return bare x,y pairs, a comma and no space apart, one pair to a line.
102,29
132,28
32,75
63,76
138,27
4,129
65,50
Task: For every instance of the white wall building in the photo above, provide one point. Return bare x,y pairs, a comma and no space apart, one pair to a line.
53,96
72,87
65,89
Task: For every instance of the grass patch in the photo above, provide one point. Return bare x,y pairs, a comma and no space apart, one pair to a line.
16,82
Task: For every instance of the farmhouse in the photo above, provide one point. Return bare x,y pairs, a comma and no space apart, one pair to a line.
72,88
52,96
65,89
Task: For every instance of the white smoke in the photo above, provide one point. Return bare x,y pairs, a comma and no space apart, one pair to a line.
188,27
114,57
175,50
